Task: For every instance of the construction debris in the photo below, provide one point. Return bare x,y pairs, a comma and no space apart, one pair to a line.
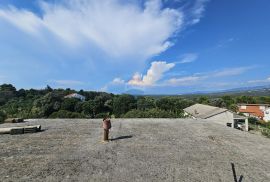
16,131
20,130
14,120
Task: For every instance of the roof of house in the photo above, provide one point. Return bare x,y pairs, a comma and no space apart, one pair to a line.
204,111
236,116
243,104
74,95
255,111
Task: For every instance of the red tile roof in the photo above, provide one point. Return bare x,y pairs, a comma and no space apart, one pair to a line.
253,110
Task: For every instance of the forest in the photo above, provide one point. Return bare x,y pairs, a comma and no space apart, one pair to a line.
50,103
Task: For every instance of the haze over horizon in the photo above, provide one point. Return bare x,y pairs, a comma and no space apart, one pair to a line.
155,46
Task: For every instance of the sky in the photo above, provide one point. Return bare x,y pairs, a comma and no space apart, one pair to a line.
149,46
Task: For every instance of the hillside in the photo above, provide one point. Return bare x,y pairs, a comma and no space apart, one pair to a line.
246,91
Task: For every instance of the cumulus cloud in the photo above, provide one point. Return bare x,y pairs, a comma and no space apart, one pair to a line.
153,75
118,29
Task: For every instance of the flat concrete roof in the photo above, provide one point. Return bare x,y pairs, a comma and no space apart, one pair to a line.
142,150
204,111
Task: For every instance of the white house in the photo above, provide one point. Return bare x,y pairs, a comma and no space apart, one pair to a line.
220,115
267,114
77,96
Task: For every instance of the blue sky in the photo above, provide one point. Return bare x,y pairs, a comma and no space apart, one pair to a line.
159,47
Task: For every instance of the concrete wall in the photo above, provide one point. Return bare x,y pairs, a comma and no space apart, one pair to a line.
223,118
267,115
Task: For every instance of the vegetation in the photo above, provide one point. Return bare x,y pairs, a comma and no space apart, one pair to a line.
152,113
2,116
50,103
66,114
261,126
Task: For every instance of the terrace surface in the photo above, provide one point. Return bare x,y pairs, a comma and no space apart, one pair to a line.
141,150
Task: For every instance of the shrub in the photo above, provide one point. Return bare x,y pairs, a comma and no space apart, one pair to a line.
66,114
267,125
266,132
101,115
262,122
134,114
152,113
252,120
2,116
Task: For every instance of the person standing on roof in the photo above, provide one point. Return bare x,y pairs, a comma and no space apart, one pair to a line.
106,124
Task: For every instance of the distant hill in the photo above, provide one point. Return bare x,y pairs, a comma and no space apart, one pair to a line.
248,91
134,92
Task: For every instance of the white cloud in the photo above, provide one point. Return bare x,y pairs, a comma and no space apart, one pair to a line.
224,43
22,19
118,29
118,81
183,81
231,71
104,89
188,58
154,74
158,68
193,79
65,83
267,80
197,11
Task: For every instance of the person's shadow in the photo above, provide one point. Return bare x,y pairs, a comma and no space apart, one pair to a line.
122,137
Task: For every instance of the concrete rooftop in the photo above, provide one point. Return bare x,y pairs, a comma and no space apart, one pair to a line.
142,150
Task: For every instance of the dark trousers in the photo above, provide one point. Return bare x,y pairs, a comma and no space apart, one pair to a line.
106,135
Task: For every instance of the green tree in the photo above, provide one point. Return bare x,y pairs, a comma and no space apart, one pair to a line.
7,92
7,87
217,102
48,89
78,107
165,103
89,108
228,100
173,104
233,107
123,103
245,99
145,103
69,104
203,100
46,105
